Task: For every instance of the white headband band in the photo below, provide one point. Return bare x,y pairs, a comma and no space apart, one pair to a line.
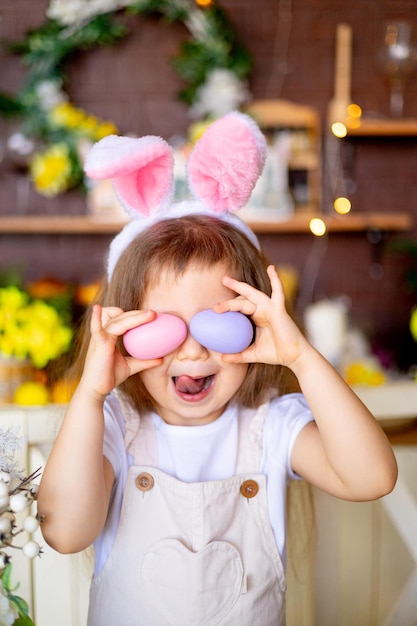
221,172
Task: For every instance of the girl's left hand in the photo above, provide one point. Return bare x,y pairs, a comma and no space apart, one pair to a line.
278,340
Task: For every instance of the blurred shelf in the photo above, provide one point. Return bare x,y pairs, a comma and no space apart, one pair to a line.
359,222
57,224
299,223
384,128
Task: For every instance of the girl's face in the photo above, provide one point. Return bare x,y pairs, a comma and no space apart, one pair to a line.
192,386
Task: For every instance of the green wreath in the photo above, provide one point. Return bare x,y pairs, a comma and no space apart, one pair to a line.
61,127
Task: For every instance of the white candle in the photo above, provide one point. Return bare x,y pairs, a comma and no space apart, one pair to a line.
326,325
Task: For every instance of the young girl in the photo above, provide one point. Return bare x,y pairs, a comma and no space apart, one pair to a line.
176,464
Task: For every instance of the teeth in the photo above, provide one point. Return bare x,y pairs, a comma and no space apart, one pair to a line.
207,382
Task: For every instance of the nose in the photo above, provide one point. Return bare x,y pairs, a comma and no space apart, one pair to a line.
192,350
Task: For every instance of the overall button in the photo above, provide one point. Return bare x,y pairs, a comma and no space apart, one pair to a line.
249,488
144,481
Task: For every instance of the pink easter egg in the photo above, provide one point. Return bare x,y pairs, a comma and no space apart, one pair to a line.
157,338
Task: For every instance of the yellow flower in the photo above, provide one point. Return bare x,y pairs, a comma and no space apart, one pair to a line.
94,129
365,372
66,115
104,129
51,170
11,299
58,168
44,337
197,130
31,393
34,329
88,126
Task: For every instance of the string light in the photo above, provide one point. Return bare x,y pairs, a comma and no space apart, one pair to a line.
339,129
354,110
317,227
342,205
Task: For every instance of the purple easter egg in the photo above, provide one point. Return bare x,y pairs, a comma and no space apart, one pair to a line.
229,332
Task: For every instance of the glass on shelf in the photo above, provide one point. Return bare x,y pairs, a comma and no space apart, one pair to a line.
397,59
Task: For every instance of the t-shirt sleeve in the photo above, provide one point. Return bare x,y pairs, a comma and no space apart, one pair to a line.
287,417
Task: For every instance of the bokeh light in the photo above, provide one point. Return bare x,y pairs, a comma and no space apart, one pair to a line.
339,130
342,205
318,226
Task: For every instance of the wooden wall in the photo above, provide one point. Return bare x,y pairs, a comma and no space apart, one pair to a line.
134,85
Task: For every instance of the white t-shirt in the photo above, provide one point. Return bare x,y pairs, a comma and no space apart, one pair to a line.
207,452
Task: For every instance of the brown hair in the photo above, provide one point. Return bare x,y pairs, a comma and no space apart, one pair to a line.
172,245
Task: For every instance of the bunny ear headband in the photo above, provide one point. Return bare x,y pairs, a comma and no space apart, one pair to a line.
221,172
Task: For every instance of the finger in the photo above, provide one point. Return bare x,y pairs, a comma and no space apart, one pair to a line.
109,312
233,358
139,365
95,320
274,279
126,320
246,356
247,293
242,305
239,287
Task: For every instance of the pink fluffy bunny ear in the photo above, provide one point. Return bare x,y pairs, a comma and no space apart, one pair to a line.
226,162
141,171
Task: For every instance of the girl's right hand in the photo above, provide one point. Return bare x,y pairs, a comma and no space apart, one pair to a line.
105,366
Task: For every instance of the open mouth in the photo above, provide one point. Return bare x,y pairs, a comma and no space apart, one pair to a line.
193,388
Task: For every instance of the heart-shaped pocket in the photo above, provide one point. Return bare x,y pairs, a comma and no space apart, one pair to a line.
193,588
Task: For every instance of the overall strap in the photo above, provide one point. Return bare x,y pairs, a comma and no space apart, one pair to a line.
143,448
251,425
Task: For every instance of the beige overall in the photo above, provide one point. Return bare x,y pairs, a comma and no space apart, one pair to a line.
192,554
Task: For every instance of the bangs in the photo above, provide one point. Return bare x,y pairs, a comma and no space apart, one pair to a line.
202,244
